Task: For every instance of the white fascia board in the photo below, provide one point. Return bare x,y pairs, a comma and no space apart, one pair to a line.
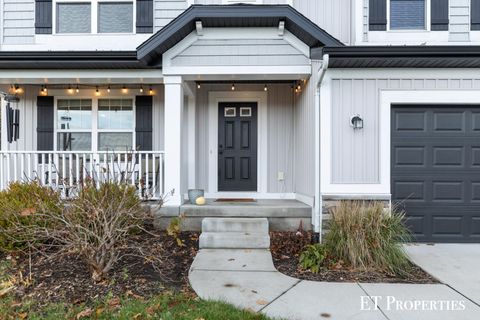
149,76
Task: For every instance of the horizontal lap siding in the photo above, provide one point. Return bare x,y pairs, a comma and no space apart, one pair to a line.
18,17
280,133
240,52
167,10
459,26
355,155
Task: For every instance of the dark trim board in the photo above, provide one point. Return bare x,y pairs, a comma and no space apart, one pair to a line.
403,56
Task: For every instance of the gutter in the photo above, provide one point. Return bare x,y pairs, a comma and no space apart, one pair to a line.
317,207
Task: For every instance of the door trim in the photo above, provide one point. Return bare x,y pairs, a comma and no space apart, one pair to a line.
214,98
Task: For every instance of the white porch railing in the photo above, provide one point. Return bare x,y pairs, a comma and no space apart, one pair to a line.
65,171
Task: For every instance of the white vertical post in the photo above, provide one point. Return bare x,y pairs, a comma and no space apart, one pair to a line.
3,110
191,142
173,138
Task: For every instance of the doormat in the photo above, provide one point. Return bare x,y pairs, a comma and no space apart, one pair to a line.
235,200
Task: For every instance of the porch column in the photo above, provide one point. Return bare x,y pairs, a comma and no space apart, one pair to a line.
173,139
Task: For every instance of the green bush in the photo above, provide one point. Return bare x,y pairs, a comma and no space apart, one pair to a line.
313,257
23,210
367,236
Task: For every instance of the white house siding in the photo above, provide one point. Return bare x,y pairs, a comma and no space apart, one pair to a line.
234,52
167,10
304,119
28,117
280,133
18,21
220,1
355,155
334,16
459,27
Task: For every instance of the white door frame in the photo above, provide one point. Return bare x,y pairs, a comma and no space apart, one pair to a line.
214,98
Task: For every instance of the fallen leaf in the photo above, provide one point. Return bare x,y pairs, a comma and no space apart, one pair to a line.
137,316
22,315
262,302
28,212
114,303
84,314
6,290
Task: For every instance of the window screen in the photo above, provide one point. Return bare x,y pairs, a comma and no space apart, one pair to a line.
115,17
407,14
73,18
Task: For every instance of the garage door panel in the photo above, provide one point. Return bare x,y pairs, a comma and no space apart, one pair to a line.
436,170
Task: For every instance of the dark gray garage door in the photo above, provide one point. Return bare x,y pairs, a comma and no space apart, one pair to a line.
436,170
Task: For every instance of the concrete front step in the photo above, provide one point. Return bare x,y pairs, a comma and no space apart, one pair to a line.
248,225
234,240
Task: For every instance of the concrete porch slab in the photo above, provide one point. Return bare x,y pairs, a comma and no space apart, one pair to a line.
322,300
233,260
454,264
395,300
247,290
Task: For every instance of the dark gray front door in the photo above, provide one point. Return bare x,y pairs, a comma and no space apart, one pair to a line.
237,146
436,170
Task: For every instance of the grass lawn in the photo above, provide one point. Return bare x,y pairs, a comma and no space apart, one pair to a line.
166,306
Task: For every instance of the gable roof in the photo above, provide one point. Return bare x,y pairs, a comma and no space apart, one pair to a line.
231,16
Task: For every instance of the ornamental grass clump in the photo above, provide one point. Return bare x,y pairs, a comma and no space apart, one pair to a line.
365,235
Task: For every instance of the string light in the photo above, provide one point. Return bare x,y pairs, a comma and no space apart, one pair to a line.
198,86
77,90
265,88
108,89
124,89
141,89
97,91
70,90
233,86
299,87
150,91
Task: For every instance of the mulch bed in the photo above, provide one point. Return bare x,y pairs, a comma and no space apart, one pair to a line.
67,279
287,246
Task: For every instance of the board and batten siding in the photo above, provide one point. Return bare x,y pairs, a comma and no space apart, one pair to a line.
459,16
280,125
165,11
28,117
234,52
355,154
304,120
18,21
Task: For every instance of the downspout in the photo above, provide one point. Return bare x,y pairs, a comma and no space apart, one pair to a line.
317,209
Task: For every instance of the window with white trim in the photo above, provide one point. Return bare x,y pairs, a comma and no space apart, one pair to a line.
408,14
95,16
95,124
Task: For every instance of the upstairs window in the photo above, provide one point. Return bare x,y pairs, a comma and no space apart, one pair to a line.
74,17
95,16
116,17
408,14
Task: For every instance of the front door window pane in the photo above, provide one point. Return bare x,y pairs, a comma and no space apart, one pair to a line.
115,141
74,141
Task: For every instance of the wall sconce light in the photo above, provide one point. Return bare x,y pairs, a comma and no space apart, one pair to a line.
356,122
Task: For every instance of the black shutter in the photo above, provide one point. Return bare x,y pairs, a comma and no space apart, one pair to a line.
43,16
439,15
143,122
45,118
377,12
475,13
144,16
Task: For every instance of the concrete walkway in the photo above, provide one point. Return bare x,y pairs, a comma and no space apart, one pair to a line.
248,279
457,265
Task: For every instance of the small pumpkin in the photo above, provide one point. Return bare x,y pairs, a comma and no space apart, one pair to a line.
200,201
